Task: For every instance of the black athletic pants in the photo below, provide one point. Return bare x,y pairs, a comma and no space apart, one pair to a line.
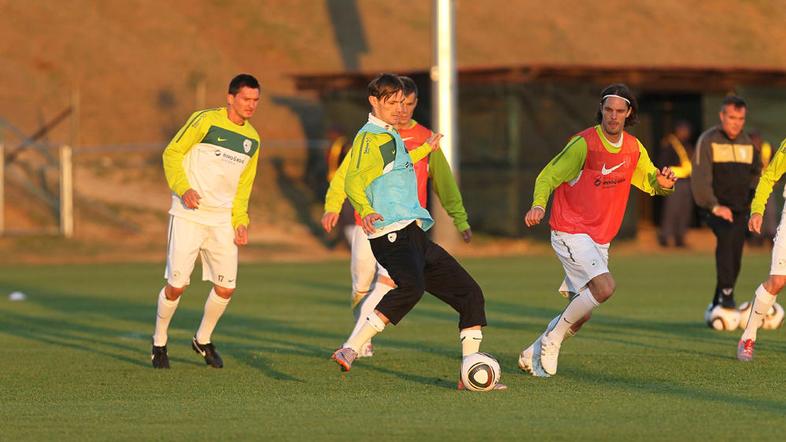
728,255
676,214
416,264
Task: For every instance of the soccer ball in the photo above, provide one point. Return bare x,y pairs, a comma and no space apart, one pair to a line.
721,318
772,320
480,372
774,317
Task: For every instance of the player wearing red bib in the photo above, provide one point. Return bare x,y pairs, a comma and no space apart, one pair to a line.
592,177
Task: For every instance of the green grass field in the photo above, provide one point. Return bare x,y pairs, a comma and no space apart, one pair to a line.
76,360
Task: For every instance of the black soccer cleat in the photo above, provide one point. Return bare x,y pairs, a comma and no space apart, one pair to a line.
159,357
208,351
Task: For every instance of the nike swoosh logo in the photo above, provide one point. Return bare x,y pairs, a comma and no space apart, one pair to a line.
604,171
407,138
221,139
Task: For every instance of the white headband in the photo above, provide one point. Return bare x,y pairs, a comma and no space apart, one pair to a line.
617,96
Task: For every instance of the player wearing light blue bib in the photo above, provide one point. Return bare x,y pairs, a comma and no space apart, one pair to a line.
382,187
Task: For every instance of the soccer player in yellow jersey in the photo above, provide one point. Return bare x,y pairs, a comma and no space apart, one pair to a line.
210,167
768,291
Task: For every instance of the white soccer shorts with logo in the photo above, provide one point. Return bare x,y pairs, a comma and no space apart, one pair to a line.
778,265
581,257
215,245
363,265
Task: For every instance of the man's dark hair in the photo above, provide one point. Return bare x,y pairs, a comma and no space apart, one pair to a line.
623,91
409,86
240,81
385,86
734,101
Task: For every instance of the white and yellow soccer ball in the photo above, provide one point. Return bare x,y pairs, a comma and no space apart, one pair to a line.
480,372
721,318
774,317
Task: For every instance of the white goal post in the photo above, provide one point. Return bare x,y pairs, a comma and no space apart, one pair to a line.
66,192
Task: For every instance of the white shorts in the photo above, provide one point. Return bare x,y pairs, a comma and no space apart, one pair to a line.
778,265
363,266
581,257
215,245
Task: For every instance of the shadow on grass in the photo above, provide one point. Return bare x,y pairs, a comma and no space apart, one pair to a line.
410,377
254,358
68,334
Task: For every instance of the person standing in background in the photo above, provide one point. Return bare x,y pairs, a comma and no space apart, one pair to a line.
675,152
725,169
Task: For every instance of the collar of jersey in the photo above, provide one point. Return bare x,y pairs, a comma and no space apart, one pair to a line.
606,143
377,122
225,114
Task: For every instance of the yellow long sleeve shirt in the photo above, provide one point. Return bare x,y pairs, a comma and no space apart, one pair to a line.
218,159
769,177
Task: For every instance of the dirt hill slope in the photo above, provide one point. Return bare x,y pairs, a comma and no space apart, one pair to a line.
136,66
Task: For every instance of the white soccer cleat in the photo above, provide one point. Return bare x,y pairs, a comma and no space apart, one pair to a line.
525,359
537,368
527,356
549,355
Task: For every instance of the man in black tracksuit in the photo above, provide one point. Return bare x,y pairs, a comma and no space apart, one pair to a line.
726,168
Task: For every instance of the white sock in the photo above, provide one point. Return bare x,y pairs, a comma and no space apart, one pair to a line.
470,341
371,326
366,307
576,309
166,309
214,308
553,323
760,305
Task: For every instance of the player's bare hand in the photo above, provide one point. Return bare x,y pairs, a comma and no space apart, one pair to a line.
754,224
329,220
534,216
666,178
367,223
433,141
241,235
191,198
467,235
723,212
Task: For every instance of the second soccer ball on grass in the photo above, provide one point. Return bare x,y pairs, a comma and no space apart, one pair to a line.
721,318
